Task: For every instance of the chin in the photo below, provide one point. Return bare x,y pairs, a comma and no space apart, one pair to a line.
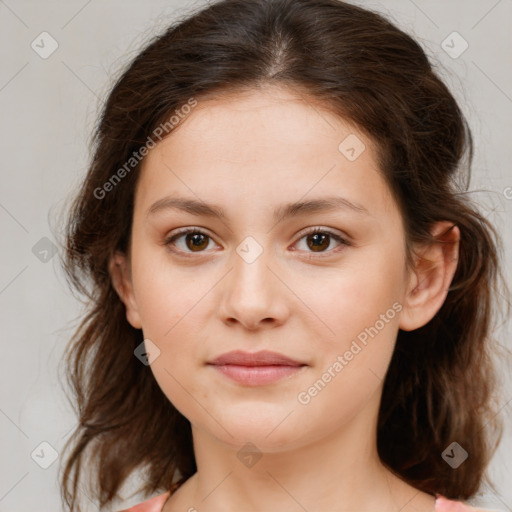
268,434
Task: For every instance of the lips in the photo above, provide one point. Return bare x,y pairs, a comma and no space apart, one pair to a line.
257,368
262,358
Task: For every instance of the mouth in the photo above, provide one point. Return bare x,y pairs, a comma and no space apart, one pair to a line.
256,369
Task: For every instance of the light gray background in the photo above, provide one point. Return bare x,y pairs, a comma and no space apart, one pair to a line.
48,110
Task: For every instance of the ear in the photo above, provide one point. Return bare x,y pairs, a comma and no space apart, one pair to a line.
433,273
120,273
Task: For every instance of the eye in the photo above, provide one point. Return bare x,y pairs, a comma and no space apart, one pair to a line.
318,240
194,240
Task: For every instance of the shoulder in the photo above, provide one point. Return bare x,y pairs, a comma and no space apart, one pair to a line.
154,504
445,505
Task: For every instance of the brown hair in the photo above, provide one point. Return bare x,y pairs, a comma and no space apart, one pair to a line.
441,380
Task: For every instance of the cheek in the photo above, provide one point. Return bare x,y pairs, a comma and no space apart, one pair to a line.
360,304
170,301
354,298
350,367
165,294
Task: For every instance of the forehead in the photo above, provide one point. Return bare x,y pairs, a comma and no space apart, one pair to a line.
272,117
270,145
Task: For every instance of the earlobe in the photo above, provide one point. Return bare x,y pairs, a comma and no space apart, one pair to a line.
429,283
120,274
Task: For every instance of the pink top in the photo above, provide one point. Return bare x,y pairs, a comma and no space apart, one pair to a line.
442,504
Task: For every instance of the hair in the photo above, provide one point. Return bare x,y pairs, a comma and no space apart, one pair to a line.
441,380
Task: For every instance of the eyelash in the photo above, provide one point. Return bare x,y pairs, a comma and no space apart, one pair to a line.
185,231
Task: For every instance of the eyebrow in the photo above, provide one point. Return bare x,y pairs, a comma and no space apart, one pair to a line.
201,208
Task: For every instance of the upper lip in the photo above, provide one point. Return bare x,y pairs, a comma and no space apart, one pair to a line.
262,358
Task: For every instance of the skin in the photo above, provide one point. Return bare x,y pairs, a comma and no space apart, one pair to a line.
250,153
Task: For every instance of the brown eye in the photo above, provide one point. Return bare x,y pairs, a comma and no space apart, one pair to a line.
196,241
319,240
188,241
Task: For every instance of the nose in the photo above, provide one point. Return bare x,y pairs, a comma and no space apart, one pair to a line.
253,295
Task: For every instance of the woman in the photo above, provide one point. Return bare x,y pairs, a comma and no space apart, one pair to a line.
292,299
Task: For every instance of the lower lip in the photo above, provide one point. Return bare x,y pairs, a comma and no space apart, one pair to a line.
256,375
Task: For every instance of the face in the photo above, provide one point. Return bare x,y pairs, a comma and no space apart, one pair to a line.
320,283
